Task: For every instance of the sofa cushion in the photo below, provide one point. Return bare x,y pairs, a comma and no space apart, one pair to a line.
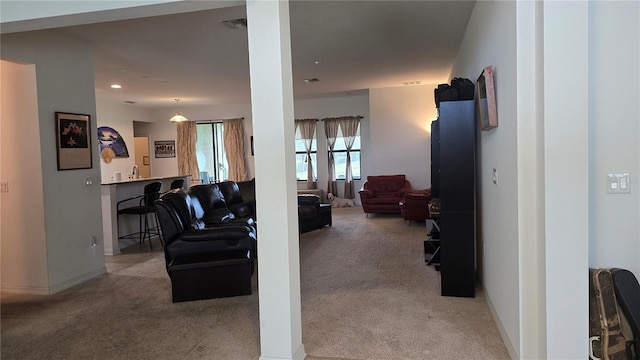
218,216
241,210
308,199
209,197
385,183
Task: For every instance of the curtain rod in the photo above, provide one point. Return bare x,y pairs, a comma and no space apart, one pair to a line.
359,117
215,120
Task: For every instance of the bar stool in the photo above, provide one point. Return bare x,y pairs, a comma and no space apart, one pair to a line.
177,184
143,209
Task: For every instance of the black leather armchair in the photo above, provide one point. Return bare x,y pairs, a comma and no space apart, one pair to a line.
311,213
204,261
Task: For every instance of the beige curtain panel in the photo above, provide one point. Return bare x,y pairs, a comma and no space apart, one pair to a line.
331,131
234,148
349,128
186,144
307,131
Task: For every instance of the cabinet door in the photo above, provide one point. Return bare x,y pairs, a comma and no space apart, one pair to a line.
457,156
435,159
457,253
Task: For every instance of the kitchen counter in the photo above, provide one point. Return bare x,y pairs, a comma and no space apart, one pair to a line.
113,192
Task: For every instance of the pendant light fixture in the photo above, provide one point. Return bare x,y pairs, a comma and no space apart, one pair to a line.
177,117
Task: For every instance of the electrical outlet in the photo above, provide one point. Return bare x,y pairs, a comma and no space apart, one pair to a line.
93,241
4,186
88,181
495,176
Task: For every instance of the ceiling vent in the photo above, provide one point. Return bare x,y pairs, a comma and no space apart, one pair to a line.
412,83
235,24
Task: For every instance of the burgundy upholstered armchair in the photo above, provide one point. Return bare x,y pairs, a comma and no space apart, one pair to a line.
383,193
415,205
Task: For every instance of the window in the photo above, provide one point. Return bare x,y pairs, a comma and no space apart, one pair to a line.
340,156
301,158
212,159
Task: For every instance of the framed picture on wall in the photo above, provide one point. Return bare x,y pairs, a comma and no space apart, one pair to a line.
165,148
73,141
486,98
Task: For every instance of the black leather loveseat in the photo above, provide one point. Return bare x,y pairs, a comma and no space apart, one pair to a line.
209,242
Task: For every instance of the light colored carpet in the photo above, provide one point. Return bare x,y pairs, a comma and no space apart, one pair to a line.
366,294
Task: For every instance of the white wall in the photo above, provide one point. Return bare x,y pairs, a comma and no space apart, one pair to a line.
615,133
64,75
22,236
497,204
120,117
400,136
581,219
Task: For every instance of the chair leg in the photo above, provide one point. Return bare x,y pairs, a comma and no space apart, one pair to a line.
147,231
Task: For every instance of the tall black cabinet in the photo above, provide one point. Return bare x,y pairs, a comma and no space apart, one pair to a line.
456,159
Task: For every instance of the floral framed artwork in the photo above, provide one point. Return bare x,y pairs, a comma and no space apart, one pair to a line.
165,148
73,141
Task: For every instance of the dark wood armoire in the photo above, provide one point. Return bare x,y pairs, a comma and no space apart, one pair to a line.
453,151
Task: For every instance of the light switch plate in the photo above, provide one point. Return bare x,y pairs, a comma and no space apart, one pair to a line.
618,183
4,186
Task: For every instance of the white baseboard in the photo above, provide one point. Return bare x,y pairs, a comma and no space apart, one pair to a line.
300,354
25,290
41,290
77,280
513,354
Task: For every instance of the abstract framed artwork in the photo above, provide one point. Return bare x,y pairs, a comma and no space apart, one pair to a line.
165,148
73,141
111,144
486,100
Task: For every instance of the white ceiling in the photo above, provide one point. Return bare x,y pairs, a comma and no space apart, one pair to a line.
359,45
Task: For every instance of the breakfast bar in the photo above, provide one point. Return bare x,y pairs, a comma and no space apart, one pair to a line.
113,192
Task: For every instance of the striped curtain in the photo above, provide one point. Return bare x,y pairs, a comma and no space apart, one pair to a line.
186,144
234,148
307,133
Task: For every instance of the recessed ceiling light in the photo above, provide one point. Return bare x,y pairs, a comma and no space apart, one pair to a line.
116,86
317,62
310,80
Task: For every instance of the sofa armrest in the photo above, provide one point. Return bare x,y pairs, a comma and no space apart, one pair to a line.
406,188
215,233
365,194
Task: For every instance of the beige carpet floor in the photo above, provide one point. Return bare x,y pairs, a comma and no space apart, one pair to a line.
366,294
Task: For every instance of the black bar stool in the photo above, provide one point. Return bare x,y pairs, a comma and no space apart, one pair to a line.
143,209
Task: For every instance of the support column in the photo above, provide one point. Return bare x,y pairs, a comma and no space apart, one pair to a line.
277,211
566,174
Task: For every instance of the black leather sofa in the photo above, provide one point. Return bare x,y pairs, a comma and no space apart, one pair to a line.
209,236
209,244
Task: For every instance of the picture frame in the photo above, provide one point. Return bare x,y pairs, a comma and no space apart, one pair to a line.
486,100
165,148
73,141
